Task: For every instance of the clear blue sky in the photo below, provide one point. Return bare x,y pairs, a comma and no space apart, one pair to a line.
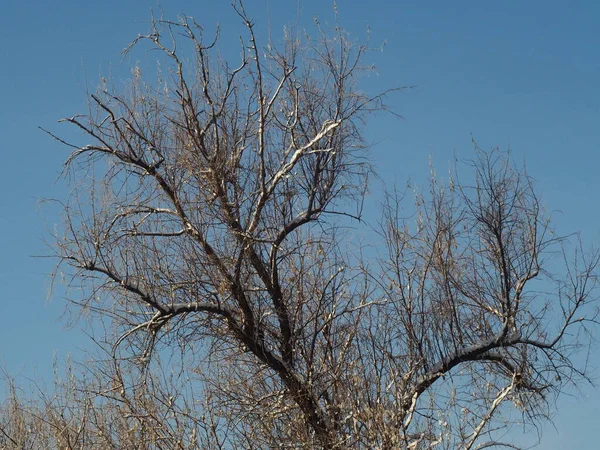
512,74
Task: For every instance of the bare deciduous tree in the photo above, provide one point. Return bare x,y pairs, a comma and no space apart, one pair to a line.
207,217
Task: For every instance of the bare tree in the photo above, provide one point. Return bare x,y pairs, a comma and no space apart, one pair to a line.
208,217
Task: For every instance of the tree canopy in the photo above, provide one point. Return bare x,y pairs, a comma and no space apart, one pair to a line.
207,230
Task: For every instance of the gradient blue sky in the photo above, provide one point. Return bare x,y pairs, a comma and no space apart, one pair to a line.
512,74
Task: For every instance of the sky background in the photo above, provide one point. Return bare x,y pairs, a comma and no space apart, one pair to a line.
518,75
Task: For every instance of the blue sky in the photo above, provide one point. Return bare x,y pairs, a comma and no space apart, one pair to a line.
519,75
